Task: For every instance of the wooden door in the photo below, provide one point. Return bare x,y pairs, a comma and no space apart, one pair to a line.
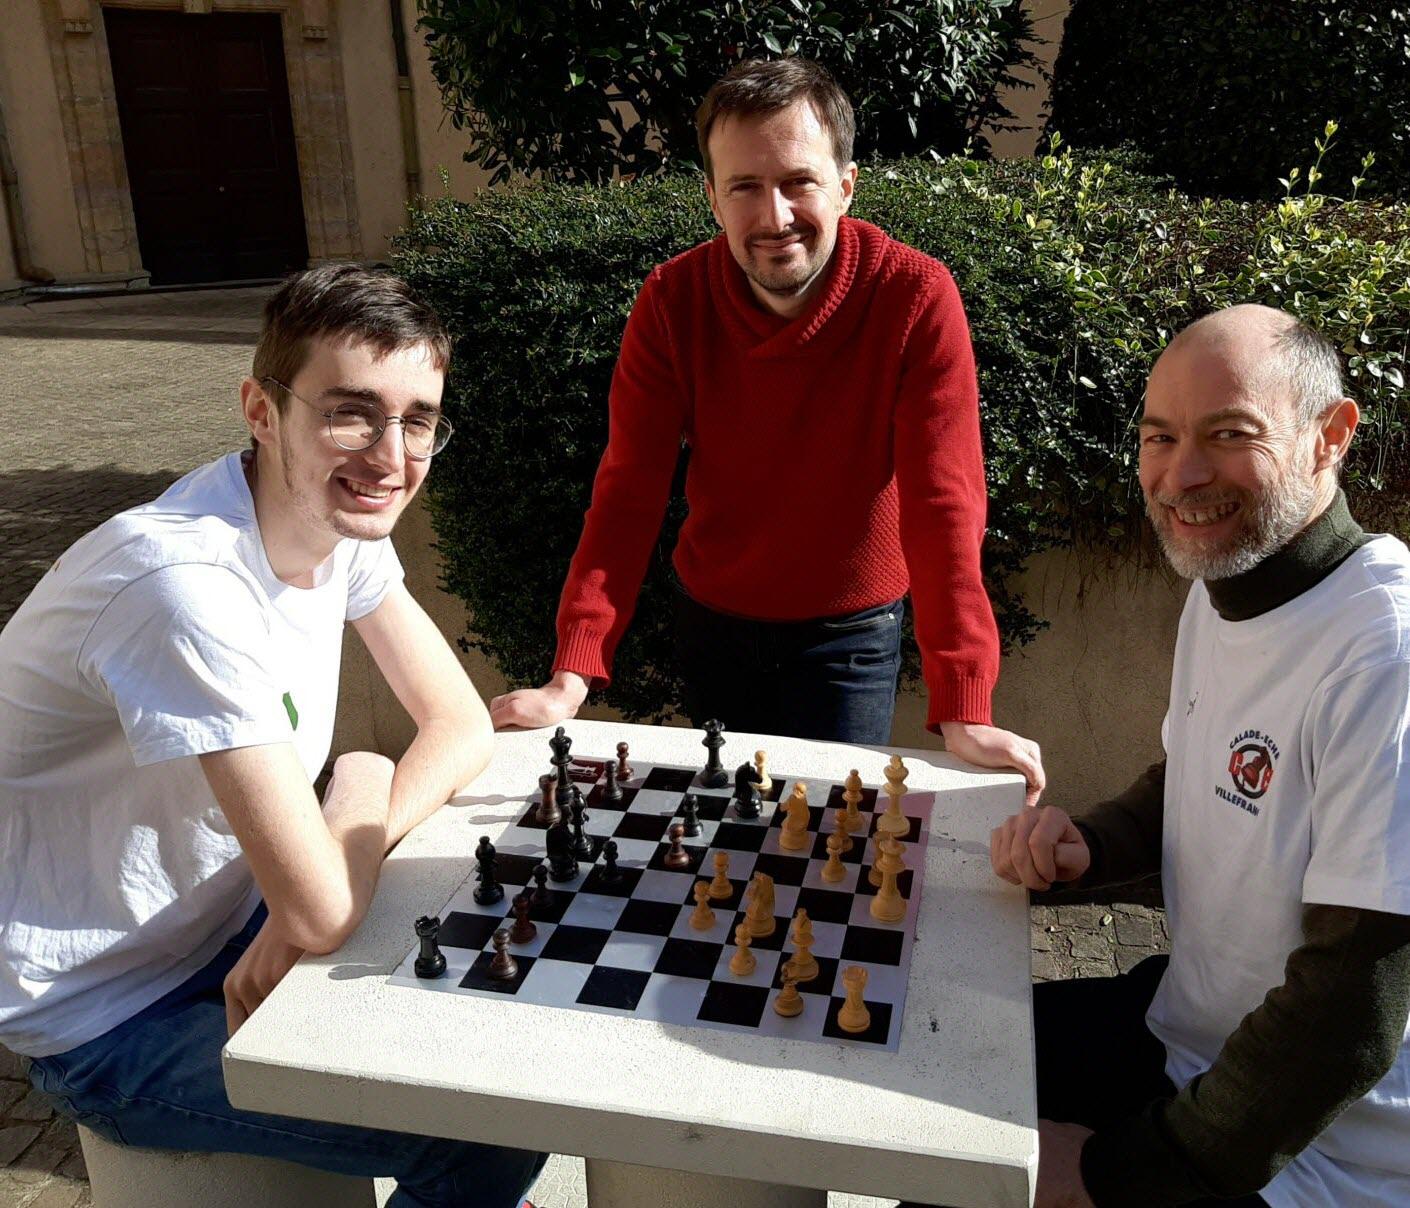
206,128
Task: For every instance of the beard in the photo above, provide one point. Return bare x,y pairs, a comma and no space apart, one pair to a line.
787,280
1268,522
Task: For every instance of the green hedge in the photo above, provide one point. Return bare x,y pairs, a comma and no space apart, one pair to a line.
1224,96
1074,274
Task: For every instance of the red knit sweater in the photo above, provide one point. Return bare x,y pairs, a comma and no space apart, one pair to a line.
835,460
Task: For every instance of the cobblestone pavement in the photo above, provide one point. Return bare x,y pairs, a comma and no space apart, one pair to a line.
108,400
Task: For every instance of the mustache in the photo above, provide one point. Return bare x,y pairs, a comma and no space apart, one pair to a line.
786,233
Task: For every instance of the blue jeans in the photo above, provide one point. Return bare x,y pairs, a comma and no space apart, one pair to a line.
833,678
155,1081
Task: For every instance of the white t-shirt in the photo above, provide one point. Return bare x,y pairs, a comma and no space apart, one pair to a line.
1288,783
161,635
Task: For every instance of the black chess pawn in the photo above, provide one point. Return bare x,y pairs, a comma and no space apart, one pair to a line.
523,931
677,857
503,967
582,844
562,865
540,894
714,775
612,791
548,813
747,802
690,817
488,891
611,874
431,961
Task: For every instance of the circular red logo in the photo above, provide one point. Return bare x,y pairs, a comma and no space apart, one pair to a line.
1251,767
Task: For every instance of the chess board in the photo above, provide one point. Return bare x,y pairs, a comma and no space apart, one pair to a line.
628,948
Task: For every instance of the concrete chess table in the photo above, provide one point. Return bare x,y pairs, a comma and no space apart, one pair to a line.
669,1113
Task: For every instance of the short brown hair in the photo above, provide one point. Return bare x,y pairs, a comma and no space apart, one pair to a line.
344,301
760,86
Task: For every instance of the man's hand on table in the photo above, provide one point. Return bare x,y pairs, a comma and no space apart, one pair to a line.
255,974
530,708
1060,1166
991,747
1037,847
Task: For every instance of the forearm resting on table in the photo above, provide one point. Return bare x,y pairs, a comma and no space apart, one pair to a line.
445,756
1315,1045
1123,834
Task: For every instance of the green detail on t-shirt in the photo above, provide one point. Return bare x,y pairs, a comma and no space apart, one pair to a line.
292,712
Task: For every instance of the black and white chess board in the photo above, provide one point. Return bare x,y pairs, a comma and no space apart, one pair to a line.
629,948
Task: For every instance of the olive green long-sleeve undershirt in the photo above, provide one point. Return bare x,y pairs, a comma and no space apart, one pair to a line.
1317,1042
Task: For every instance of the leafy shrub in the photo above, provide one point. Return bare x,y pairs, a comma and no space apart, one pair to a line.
1225,96
582,90
1075,272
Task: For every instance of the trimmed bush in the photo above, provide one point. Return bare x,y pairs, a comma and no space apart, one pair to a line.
1225,96
1075,272
585,90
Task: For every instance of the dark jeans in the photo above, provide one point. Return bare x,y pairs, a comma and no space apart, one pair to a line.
155,1081
833,678
1097,1061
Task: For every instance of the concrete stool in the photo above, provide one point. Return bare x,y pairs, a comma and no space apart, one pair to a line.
123,1177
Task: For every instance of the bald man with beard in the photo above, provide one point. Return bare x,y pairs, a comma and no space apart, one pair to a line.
1265,1060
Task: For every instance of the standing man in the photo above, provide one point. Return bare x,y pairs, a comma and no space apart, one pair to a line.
822,375
1265,1061
166,701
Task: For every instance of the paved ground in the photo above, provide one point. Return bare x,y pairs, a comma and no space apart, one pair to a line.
110,399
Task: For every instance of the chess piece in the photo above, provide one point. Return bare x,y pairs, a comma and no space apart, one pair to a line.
488,891
794,835
503,967
562,864
714,776
431,961
888,905
523,930
582,845
548,813
677,857
743,962
540,894
789,1002
561,745
853,1015
839,826
893,822
852,797
623,771
833,871
611,874
690,817
720,887
802,965
702,918
897,850
762,771
612,791
760,911
747,801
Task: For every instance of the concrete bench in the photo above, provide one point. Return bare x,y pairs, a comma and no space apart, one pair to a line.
123,1177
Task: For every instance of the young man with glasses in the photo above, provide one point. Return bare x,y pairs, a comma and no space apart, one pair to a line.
167,696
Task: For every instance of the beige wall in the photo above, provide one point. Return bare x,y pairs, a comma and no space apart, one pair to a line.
36,132
1090,690
1027,104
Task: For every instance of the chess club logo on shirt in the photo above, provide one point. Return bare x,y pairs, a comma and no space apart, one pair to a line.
1252,756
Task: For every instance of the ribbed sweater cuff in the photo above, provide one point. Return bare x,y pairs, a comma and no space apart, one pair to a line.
960,698
581,650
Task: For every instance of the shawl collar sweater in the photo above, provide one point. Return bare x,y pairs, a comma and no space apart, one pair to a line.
835,460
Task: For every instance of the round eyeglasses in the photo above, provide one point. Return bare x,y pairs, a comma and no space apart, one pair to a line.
358,426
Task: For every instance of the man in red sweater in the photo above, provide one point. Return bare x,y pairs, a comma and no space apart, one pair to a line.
822,375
